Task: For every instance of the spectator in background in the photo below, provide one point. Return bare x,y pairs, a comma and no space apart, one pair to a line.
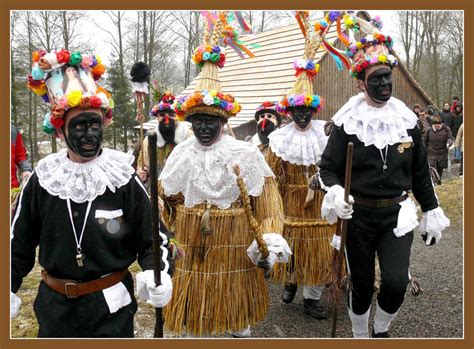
447,116
457,118
459,143
19,158
417,109
437,139
455,102
424,123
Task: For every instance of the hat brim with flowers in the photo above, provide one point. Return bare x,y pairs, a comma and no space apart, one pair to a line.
165,105
66,80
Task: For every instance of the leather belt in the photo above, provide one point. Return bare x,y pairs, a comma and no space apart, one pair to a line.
379,203
74,289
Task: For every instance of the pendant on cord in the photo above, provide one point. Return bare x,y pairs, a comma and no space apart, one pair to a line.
79,258
384,167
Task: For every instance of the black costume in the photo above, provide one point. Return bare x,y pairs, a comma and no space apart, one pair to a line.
387,163
118,232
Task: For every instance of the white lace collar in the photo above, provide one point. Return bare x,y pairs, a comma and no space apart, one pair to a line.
382,126
203,173
180,133
82,182
299,147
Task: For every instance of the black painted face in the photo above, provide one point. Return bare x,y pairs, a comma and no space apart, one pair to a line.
167,127
206,127
84,134
302,116
379,84
264,129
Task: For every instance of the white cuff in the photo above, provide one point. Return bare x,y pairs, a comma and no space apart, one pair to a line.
434,221
116,297
277,246
328,207
407,219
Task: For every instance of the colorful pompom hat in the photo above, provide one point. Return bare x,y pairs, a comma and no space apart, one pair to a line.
66,80
302,93
268,107
208,97
166,104
373,49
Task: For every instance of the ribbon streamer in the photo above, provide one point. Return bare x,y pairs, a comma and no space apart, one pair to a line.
331,49
300,23
243,24
340,34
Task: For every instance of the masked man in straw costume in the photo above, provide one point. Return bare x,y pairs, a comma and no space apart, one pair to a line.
88,213
294,153
389,161
268,120
170,132
218,288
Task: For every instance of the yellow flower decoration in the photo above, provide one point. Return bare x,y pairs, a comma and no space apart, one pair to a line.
236,108
382,58
213,93
74,98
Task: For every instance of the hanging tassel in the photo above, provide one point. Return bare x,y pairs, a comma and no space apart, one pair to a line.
415,288
177,252
312,187
229,42
205,225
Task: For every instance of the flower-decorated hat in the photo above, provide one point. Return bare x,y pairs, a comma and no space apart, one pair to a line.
302,93
268,107
208,97
166,104
370,50
66,80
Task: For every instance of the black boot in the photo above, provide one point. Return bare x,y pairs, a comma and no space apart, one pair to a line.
314,308
380,335
289,293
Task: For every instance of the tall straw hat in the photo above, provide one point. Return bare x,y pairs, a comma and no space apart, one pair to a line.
208,97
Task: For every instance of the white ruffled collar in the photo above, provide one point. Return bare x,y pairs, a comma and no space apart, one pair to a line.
204,173
180,133
81,182
299,147
382,126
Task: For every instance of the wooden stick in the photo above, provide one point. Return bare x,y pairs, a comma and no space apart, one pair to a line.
343,224
155,213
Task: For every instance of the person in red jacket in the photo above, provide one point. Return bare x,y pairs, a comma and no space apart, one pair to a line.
18,158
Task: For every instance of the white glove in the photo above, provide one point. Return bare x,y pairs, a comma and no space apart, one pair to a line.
343,209
147,290
277,247
15,303
432,238
432,224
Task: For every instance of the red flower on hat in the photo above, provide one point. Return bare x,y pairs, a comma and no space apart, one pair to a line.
57,122
95,101
267,104
85,103
63,56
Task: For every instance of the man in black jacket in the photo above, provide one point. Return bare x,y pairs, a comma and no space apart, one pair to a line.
389,160
91,218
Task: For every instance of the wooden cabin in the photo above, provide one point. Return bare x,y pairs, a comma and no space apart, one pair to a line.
270,74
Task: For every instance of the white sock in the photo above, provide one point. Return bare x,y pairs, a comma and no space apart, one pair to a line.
312,292
360,324
244,333
382,319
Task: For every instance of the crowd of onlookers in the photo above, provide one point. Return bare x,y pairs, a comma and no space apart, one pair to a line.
443,133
